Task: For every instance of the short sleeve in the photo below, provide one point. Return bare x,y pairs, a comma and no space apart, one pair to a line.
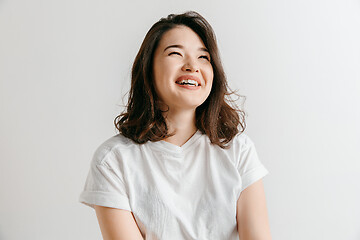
104,184
249,166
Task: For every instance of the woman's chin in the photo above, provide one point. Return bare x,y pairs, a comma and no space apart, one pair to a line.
189,105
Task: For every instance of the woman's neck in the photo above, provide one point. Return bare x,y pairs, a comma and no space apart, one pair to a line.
182,123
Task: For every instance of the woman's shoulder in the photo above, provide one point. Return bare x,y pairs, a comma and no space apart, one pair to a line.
116,143
241,140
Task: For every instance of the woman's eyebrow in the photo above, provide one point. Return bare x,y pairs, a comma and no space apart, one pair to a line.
181,46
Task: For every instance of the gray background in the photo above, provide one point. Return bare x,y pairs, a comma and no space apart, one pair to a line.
65,66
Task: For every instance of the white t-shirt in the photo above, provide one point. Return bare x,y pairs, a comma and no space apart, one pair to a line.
188,192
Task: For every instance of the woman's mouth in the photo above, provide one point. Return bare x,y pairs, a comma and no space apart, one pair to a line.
187,85
189,82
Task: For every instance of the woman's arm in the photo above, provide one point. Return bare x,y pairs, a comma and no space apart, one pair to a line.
252,216
117,224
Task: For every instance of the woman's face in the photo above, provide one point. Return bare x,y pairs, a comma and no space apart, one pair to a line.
183,74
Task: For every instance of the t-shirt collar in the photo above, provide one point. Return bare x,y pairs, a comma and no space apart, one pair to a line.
172,148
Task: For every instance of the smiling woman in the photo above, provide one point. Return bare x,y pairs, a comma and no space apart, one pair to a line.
183,74
181,166
145,118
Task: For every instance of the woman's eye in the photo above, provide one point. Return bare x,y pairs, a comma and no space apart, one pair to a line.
174,53
206,57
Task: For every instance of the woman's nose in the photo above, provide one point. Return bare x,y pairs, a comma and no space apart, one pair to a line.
190,66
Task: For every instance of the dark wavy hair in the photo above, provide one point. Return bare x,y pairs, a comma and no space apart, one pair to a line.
143,120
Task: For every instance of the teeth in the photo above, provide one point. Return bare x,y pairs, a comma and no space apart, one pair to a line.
188,81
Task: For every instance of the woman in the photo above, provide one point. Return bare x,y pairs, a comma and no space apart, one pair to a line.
180,168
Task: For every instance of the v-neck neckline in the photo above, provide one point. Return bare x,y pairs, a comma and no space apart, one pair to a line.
173,148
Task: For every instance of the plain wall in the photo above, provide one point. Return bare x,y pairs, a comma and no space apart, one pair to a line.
65,67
